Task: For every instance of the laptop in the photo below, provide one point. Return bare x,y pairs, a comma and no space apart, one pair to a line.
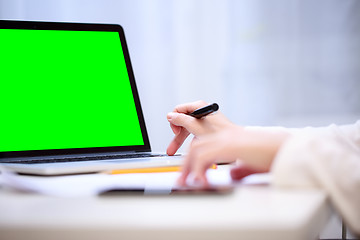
69,102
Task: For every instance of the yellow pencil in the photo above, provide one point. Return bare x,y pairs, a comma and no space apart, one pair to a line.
151,170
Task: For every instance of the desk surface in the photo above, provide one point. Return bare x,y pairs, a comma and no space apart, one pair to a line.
250,212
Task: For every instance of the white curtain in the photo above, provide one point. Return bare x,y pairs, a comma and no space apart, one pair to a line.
287,62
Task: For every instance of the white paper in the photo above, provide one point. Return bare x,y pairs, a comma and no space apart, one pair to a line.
93,184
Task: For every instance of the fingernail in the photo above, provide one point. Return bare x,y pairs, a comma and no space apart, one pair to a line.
171,115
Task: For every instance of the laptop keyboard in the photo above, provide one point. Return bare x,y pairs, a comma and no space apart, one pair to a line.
89,158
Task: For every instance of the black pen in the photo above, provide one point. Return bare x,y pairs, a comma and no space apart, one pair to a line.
202,112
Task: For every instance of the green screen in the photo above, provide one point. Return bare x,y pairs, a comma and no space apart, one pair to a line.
64,89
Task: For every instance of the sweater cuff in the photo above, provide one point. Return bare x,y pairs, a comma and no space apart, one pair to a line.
290,167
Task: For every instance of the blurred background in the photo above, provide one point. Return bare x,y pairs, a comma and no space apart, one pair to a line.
293,63
281,62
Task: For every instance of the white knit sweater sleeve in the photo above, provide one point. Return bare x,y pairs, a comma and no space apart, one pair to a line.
326,158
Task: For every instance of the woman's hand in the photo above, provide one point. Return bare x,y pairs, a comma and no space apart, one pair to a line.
253,149
218,140
182,124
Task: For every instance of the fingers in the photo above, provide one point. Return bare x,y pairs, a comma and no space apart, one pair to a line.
201,156
176,143
198,172
184,174
189,107
176,129
182,124
197,161
192,124
242,171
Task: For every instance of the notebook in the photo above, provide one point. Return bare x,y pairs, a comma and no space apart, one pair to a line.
69,102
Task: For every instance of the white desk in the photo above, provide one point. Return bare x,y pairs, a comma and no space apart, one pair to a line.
251,212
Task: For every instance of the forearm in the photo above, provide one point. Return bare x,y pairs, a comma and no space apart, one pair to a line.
329,161
257,147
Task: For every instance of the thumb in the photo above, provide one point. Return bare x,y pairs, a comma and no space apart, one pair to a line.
179,119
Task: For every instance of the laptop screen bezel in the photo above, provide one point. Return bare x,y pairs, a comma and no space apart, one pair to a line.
36,25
